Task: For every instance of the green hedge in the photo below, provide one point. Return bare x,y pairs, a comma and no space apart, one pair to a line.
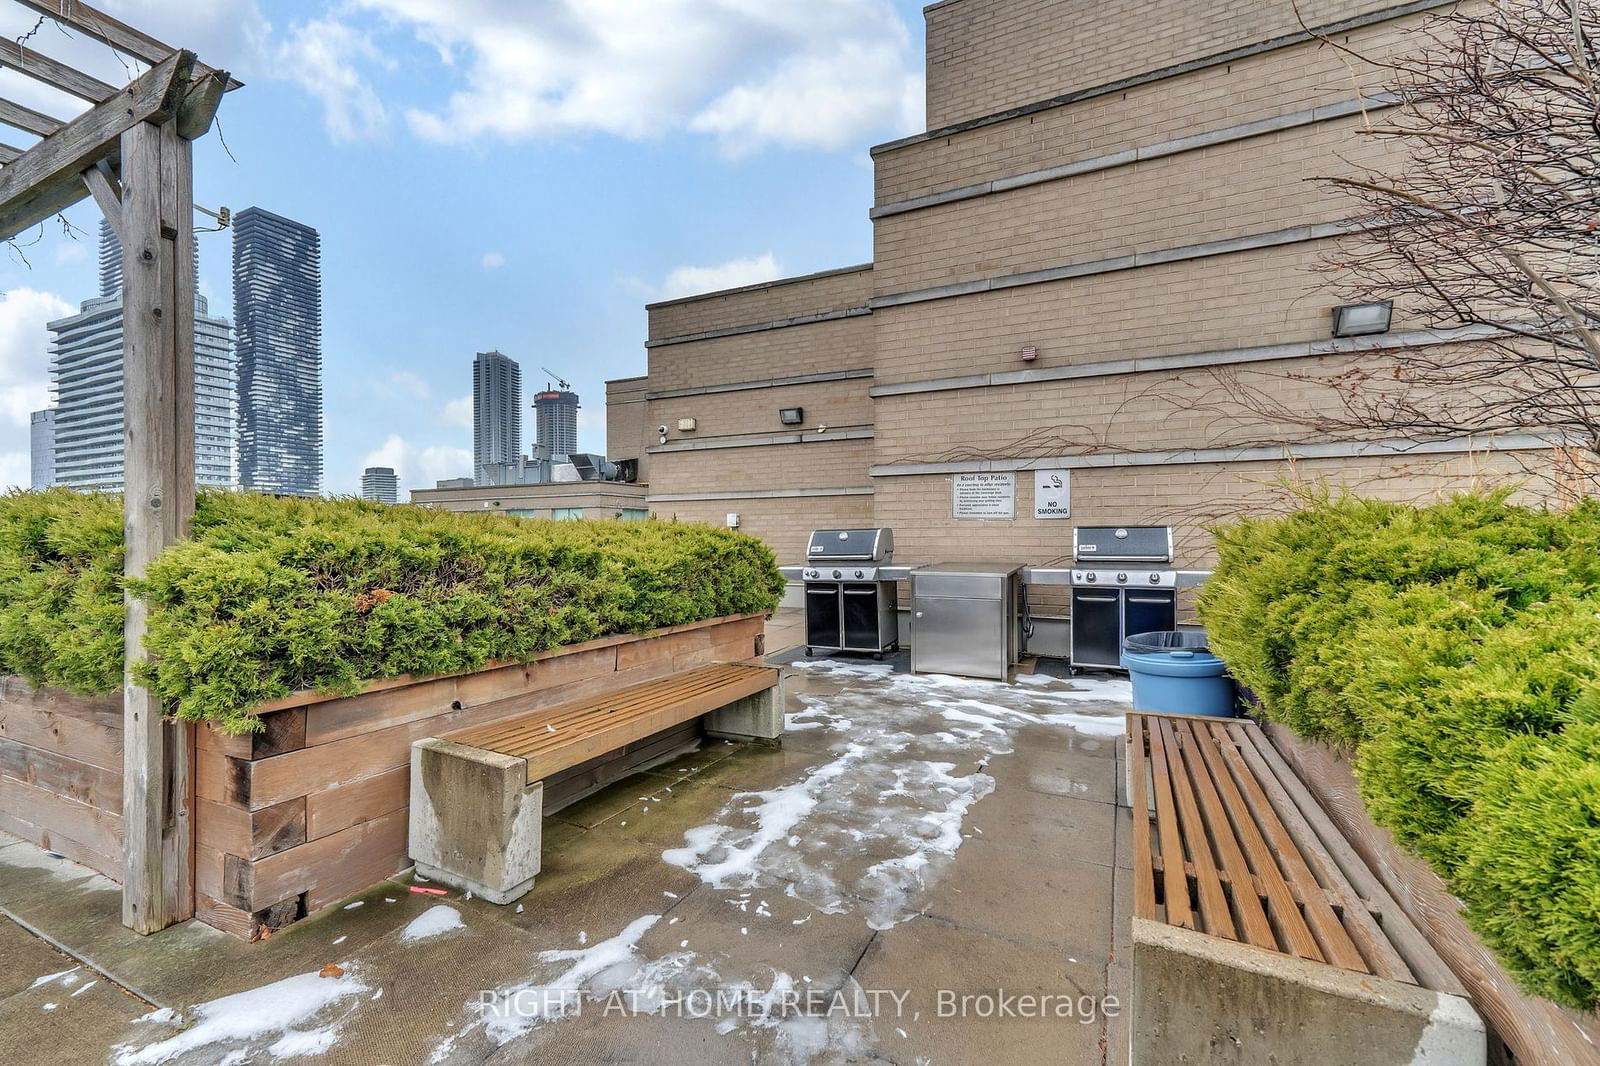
1456,650
275,595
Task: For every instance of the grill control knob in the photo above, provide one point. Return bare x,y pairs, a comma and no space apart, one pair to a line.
858,574
1091,577
811,573
1155,579
837,574
1122,579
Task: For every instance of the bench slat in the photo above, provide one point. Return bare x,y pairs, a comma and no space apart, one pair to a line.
553,739
1337,947
1176,885
1144,885
539,734
1252,917
504,728
1383,958
1282,907
1215,915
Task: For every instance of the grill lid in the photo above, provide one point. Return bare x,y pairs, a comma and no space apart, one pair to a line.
1122,544
851,545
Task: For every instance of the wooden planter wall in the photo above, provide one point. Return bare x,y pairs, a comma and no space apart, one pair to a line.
313,807
61,773
1538,1032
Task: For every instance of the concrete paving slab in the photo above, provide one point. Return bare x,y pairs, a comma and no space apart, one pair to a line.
1124,833
1051,737
24,958
755,935
1047,900
1119,971
593,881
68,1020
1045,824
955,984
1091,777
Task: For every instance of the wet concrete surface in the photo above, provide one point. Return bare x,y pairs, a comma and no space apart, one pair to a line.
919,854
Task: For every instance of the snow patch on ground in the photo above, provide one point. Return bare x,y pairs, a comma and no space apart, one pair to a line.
435,921
282,1013
873,827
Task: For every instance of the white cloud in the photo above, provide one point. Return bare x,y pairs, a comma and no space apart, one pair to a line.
406,383
493,260
693,280
16,470
820,74
458,412
322,56
419,468
24,372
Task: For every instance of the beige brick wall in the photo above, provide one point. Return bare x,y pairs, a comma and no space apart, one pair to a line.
985,56
820,347
1185,496
1247,298
1193,408
1212,194
1280,82
786,298
822,463
626,420
784,523
835,404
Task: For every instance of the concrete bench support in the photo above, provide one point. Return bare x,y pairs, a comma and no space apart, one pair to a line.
476,824
756,718
1200,998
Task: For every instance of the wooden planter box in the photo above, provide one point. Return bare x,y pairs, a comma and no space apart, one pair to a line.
314,806
1538,1032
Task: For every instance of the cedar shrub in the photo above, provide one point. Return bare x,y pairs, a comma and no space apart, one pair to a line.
1454,650
273,595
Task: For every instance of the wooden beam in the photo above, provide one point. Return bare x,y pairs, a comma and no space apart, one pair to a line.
103,27
107,193
27,119
158,500
48,176
8,154
56,74
199,105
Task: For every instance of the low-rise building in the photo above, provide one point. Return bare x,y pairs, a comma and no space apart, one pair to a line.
579,499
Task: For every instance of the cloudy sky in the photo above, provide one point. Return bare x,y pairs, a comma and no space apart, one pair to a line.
512,174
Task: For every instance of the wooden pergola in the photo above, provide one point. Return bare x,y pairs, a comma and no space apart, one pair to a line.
131,149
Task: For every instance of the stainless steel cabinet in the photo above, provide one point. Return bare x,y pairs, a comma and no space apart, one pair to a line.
964,619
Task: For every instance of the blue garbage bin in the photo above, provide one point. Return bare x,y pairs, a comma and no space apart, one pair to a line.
1174,671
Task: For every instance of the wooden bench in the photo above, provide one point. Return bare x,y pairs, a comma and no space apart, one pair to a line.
1229,845
478,796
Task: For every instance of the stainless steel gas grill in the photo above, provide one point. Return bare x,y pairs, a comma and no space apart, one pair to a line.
851,602
1122,583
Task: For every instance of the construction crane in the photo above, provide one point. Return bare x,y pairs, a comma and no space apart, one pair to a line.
561,383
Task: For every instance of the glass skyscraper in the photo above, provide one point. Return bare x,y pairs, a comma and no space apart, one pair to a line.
86,380
379,484
277,311
496,413
556,423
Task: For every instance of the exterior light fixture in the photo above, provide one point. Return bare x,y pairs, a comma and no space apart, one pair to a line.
1360,320
791,416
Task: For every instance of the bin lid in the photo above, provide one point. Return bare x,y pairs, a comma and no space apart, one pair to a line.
1167,640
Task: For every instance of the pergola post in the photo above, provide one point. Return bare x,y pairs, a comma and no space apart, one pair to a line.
156,228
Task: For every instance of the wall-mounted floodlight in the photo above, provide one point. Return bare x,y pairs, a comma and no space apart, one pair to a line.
791,416
1360,320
